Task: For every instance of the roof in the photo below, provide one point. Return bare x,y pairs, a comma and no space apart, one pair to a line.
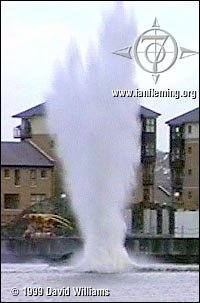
191,116
38,110
148,113
22,154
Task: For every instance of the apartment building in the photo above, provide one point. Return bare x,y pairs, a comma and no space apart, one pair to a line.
33,128
26,177
184,159
34,133
146,176
144,197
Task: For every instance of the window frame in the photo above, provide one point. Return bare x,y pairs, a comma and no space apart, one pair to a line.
176,132
189,195
146,195
189,129
33,180
8,170
17,200
150,149
17,179
46,174
150,125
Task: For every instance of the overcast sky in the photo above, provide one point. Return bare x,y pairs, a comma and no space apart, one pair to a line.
35,34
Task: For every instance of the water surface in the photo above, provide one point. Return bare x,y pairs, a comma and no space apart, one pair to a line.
151,283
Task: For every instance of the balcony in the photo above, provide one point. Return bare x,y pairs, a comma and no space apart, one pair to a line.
19,133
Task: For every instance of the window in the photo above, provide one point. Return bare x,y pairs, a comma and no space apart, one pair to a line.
176,153
189,149
6,173
37,198
33,177
189,172
150,125
11,201
148,175
176,132
17,177
189,129
43,173
189,194
146,195
150,149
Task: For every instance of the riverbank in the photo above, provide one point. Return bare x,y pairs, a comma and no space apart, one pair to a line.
167,249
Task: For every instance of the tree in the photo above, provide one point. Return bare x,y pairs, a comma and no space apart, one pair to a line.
57,206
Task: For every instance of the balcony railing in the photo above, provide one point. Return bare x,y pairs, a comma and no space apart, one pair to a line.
19,133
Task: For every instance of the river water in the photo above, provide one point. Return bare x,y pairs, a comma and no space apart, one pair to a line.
40,282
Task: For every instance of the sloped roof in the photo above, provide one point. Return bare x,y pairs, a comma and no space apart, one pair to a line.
148,113
22,154
38,110
189,117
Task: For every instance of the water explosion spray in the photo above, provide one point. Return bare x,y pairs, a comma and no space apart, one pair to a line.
98,140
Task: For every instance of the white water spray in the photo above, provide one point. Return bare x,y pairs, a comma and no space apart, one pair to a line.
98,140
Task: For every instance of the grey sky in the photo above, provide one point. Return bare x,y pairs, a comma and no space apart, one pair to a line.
35,34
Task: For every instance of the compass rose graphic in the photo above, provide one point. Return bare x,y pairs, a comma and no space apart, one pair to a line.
155,51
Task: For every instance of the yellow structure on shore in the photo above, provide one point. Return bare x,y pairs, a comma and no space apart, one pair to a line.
43,225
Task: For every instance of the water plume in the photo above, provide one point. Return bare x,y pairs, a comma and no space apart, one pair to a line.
98,139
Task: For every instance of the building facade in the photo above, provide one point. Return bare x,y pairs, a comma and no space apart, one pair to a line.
144,195
148,154
184,159
26,178
33,130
